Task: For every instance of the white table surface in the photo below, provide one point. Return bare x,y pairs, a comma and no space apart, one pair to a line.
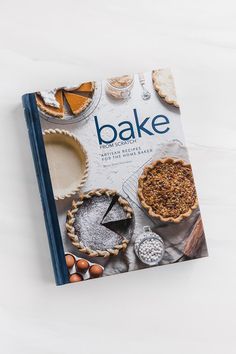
184,308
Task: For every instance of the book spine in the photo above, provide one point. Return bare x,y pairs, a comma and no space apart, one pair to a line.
45,188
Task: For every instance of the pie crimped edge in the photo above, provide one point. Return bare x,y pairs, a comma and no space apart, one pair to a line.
159,90
86,161
147,207
71,232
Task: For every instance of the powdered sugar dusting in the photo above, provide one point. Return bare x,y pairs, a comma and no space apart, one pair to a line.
116,213
88,224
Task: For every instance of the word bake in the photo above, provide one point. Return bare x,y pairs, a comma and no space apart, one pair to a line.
126,130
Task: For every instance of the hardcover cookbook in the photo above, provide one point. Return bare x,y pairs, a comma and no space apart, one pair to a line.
114,175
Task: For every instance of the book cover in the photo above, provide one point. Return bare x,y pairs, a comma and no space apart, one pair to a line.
114,175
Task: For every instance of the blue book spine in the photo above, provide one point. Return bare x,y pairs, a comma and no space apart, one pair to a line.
45,188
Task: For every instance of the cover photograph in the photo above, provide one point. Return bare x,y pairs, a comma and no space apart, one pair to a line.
114,175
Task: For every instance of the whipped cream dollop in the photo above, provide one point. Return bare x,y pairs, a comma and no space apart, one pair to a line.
49,98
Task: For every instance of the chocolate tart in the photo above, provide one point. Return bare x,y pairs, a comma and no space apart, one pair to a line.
166,190
67,161
86,229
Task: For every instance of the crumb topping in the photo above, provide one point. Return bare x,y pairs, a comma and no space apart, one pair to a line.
168,188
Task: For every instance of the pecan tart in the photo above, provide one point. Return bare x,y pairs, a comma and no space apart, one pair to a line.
166,190
100,223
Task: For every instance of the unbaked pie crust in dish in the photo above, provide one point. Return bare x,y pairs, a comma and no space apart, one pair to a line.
166,190
67,161
100,223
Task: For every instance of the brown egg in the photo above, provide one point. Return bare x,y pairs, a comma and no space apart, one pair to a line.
75,278
82,265
95,271
70,260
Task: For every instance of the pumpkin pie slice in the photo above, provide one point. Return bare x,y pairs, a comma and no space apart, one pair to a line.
86,87
49,109
77,103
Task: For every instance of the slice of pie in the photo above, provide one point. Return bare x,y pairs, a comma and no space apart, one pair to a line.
116,213
56,110
166,190
113,201
77,103
86,87
118,219
164,85
55,102
86,230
